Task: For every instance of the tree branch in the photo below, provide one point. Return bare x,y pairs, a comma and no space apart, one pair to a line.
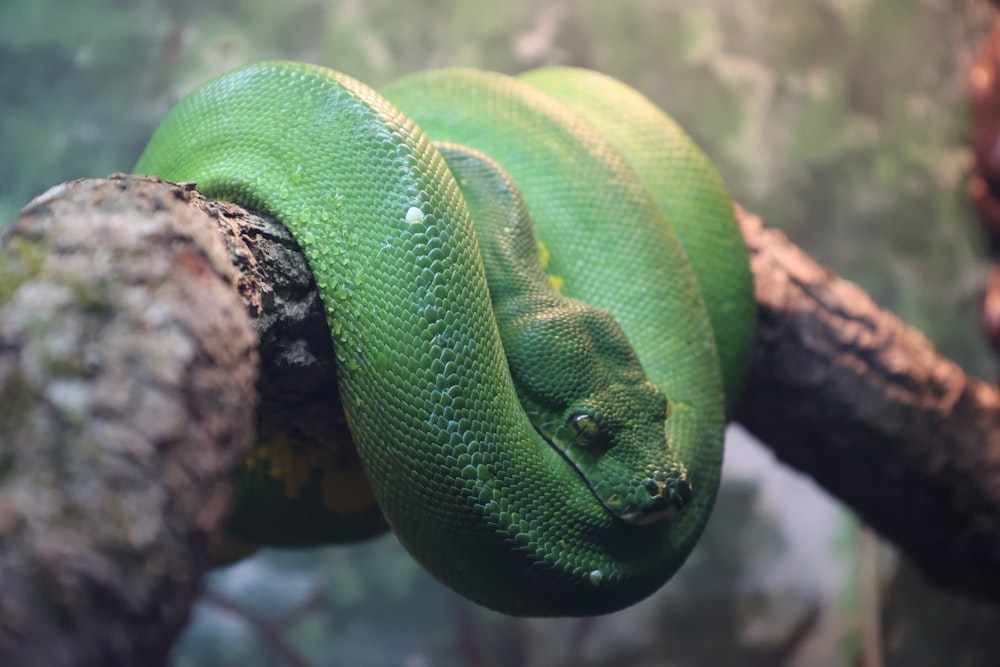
126,379
847,393
127,369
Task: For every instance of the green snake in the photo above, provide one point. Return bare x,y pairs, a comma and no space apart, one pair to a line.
547,444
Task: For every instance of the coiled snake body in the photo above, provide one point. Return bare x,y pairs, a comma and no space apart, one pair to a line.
572,473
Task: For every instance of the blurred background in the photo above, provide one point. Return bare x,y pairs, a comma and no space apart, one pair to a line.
844,123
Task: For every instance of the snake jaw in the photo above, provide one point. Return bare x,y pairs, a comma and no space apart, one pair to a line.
655,496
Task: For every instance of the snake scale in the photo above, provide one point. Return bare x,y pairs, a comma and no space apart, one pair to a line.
549,443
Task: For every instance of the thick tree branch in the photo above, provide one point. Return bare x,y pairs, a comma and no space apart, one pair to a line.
847,393
127,368
126,379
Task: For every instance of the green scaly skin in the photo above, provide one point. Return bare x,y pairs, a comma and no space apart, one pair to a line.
597,504
576,375
668,162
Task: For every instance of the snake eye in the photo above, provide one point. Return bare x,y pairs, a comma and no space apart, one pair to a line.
584,426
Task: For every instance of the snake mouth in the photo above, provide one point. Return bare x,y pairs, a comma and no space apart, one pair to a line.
644,518
572,464
669,493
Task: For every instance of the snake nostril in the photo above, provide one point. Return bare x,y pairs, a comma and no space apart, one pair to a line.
653,488
683,493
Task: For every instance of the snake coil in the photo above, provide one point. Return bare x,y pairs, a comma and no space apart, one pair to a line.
570,468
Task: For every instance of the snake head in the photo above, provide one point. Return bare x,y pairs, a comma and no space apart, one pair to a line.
586,393
615,439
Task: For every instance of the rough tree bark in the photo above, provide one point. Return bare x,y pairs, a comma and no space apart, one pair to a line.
126,385
847,393
127,369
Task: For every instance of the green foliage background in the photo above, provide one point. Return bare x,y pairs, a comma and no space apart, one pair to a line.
842,122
